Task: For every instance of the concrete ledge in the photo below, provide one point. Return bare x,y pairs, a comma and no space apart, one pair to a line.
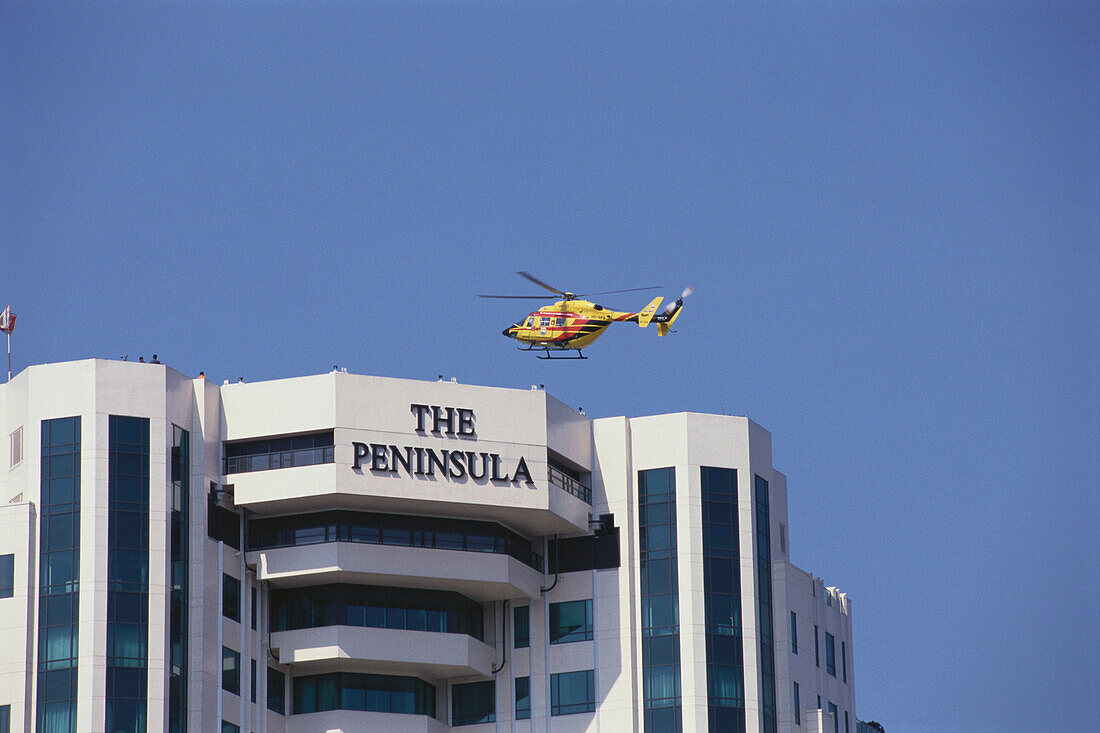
427,654
480,576
350,721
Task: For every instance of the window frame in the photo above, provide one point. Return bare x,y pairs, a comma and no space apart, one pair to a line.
276,680
466,693
16,446
234,597
523,712
231,683
521,641
586,632
7,589
573,707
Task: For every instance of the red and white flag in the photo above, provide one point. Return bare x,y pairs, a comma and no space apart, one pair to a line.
7,321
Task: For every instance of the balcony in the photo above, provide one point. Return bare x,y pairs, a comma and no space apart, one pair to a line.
425,654
569,484
480,576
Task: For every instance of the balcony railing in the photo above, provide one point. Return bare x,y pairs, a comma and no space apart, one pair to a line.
279,459
570,484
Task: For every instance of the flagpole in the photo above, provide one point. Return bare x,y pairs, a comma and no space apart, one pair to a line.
9,357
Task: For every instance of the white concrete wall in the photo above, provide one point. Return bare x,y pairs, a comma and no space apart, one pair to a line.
18,537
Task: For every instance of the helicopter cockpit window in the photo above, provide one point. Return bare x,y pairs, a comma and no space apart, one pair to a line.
561,322
544,321
530,322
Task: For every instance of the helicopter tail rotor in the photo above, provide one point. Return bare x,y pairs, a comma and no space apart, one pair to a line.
671,313
673,307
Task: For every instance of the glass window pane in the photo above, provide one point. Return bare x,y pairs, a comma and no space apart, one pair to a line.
231,671
522,626
570,621
572,692
523,698
7,576
473,702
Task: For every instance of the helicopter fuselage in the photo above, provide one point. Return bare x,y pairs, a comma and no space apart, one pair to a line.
567,324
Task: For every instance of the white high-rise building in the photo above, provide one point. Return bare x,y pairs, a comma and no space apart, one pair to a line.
352,553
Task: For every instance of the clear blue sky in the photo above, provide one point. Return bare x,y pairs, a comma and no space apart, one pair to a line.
889,212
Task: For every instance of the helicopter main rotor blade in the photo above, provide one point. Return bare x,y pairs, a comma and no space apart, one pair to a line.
628,290
515,297
540,283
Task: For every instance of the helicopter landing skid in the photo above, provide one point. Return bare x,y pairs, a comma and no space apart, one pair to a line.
561,358
553,358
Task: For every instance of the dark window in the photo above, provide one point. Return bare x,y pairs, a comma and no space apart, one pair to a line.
243,456
660,606
231,671
523,698
390,529
573,692
722,600
276,691
127,574
59,578
252,682
796,705
5,718
830,654
844,659
7,576
340,604
473,702
571,621
179,580
522,626
764,580
836,718
794,634
364,692
231,597
254,609
817,650
228,727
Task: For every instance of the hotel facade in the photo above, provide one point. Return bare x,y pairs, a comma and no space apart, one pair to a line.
352,553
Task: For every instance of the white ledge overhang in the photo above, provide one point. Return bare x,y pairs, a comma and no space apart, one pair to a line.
347,721
480,576
430,655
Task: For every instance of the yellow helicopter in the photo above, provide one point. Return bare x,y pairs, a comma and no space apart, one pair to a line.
571,323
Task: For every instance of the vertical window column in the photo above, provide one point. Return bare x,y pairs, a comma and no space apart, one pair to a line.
660,607
180,584
59,563
722,606
764,582
127,574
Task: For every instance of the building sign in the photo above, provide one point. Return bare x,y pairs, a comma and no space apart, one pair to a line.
448,464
